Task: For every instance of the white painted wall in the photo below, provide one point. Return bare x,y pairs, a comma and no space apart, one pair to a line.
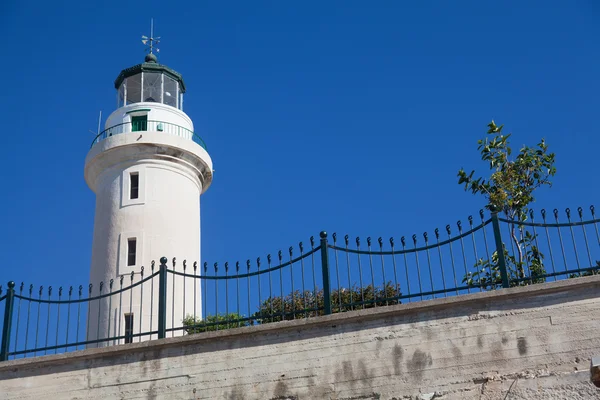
165,220
158,112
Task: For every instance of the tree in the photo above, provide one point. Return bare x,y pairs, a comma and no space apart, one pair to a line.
510,189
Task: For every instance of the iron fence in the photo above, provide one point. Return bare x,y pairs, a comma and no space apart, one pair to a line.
327,275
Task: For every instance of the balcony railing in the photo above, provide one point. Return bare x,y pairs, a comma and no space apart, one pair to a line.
149,126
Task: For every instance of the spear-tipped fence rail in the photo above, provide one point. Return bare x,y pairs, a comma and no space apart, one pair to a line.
487,253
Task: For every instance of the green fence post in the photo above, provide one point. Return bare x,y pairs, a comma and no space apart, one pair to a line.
8,313
162,299
325,268
500,250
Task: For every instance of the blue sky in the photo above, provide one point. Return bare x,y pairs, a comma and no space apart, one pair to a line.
348,116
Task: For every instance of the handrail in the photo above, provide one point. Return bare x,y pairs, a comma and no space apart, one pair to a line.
87,299
414,249
160,126
82,343
550,225
249,274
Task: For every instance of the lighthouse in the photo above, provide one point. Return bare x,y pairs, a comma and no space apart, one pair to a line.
148,168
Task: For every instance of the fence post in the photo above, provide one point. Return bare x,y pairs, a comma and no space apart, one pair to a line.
500,250
8,314
325,268
162,298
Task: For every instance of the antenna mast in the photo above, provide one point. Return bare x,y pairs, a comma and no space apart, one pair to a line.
151,42
151,33
99,121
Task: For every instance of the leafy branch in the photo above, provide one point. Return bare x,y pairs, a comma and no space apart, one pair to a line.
510,189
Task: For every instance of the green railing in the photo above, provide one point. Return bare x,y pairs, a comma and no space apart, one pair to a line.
149,126
329,274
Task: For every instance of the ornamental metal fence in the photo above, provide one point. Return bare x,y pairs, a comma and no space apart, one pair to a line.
328,275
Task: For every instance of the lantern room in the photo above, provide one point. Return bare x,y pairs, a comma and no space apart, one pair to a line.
149,99
150,82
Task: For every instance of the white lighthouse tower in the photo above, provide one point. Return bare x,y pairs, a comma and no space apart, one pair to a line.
148,169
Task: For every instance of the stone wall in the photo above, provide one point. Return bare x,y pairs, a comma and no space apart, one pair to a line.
533,342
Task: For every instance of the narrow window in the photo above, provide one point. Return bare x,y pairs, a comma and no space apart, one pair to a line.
129,328
131,244
134,185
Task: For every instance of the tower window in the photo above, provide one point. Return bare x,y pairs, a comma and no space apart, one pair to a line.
133,188
139,123
134,185
131,245
129,328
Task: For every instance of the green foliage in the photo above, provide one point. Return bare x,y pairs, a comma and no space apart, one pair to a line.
487,272
510,189
513,181
210,323
297,305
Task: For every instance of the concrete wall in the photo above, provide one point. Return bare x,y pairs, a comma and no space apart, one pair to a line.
524,343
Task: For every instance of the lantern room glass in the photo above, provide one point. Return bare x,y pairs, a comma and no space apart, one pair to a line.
150,87
133,89
170,91
121,96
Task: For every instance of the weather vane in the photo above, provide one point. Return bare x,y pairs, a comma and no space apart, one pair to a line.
151,41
